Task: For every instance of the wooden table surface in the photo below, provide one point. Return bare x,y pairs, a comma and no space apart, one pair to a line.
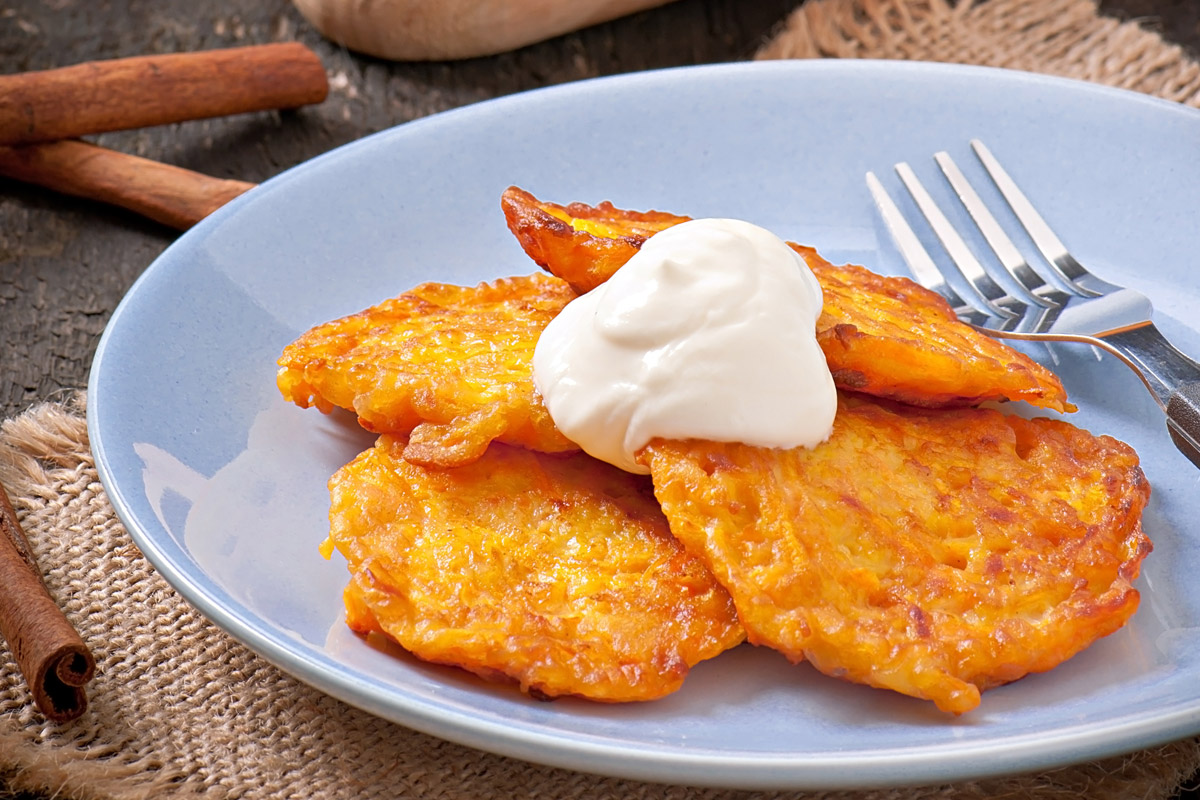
65,263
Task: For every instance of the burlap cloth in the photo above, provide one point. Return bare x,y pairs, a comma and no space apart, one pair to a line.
178,708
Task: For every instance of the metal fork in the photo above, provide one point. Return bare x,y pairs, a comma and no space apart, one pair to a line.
1060,301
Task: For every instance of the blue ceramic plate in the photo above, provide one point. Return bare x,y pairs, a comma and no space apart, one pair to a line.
222,484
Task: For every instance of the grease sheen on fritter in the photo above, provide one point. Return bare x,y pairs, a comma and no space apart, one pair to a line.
935,552
884,336
449,366
558,572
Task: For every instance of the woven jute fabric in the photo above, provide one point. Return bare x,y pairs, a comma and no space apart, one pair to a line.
178,708
1067,38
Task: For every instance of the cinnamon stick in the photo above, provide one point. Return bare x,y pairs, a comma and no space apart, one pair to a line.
171,195
54,660
124,93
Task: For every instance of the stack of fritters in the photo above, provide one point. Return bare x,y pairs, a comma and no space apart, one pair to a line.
929,546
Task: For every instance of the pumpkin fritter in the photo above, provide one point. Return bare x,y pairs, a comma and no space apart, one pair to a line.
933,552
558,572
582,244
884,336
449,366
891,337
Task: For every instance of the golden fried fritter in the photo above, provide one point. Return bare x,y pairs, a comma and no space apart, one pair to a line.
450,366
578,243
884,336
890,337
933,552
558,572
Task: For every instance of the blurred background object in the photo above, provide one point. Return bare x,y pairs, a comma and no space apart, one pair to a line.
417,30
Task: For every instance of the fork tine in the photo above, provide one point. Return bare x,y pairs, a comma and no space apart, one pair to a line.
916,256
964,260
1047,242
1010,258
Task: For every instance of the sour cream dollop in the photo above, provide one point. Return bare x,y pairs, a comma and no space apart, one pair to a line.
708,332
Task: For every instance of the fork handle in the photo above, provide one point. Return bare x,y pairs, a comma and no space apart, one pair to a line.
1183,420
1173,377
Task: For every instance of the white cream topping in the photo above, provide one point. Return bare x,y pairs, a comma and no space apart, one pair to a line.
708,332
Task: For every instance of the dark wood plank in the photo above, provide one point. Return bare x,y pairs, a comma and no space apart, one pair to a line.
1176,20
